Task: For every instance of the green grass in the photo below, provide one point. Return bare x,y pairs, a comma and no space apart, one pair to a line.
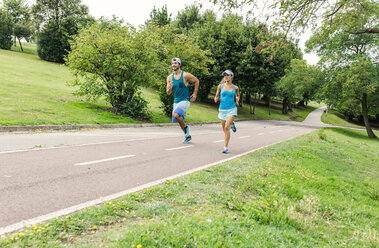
335,118
29,48
35,92
317,190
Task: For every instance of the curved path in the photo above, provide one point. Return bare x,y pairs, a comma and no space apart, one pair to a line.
46,175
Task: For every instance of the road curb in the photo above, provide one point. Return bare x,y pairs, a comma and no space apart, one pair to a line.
91,126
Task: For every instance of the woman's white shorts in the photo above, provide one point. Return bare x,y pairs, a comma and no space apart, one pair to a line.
224,113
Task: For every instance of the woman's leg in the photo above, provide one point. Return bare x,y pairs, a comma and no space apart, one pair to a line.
223,125
226,128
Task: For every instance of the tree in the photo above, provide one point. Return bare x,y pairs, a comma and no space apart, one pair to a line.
6,27
113,60
300,84
59,21
159,17
50,44
108,60
221,38
23,31
352,16
278,59
362,81
188,19
338,53
194,59
20,12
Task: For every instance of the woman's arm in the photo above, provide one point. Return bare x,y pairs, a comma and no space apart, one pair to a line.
237,95
217,92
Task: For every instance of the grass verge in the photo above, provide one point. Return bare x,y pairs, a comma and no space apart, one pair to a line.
317,190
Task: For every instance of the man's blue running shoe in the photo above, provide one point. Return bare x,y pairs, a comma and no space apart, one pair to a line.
186,131
188,139
233,127
225,150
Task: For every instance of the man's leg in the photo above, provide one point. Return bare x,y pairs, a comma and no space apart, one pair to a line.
180,120
178,116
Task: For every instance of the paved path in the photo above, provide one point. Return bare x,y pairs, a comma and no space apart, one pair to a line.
45,175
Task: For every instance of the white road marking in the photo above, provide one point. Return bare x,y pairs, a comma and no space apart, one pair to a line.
104,160
218,141
260,134
177,148
7,176
244,137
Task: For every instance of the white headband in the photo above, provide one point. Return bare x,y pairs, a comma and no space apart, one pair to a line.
177,60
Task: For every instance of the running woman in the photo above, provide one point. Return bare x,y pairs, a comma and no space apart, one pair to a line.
179,81
227,110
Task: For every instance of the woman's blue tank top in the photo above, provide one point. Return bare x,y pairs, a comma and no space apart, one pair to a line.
181,91
227,98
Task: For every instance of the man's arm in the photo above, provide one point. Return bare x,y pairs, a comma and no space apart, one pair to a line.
169,85
191,78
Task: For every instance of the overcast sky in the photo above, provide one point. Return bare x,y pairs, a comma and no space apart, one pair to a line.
138,11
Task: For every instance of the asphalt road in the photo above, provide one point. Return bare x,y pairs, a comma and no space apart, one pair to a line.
45,175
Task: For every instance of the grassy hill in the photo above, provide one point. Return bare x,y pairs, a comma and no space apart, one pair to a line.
35,92
318,190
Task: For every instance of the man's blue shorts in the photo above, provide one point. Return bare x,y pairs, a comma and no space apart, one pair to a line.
180,108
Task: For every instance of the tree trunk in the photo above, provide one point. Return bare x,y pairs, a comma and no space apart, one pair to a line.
269,105
248,96
250,101
290,107
255,102
370,133
266,99
301,103
284,107
19,41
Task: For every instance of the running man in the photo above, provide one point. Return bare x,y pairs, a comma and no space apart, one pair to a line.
179,81
227,110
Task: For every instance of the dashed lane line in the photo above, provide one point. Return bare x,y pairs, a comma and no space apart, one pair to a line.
244,137
178,148
104,160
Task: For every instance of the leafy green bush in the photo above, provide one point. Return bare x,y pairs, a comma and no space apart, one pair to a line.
166,100
135,107
50,45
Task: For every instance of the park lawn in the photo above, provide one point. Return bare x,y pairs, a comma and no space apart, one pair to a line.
29,48
335,118
35,92
317,190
